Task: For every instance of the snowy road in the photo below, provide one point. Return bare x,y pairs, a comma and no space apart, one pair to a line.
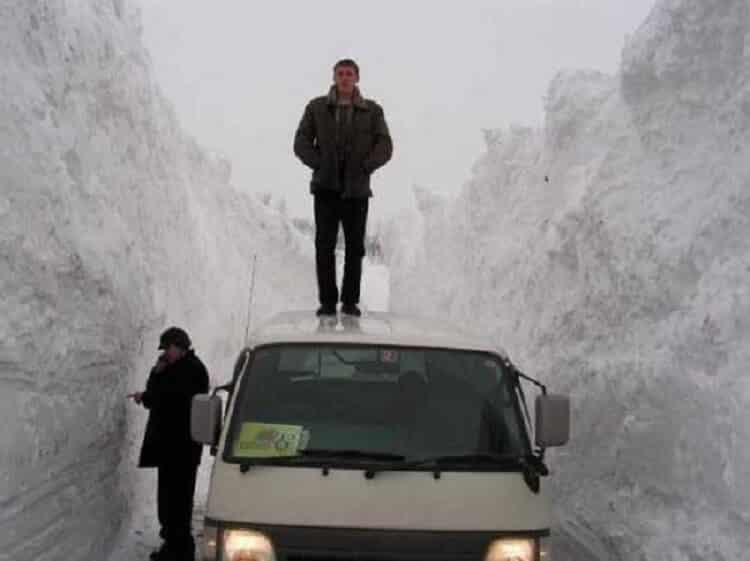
139,541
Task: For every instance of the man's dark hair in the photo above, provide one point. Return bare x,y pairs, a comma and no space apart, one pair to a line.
175,336
347,62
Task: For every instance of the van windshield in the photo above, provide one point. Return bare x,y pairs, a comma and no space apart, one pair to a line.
373,403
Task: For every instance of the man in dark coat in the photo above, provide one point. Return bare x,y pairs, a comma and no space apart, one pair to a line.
177,376
343,138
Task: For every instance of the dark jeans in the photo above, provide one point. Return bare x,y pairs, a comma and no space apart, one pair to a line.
174,499
330,209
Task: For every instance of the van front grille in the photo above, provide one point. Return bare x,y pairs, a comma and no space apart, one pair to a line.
303,543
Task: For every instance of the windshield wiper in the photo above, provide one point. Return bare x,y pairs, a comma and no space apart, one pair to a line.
532,467
353,454
356,454
327,453
486,458
437,462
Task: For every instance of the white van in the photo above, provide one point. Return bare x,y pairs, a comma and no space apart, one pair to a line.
376,439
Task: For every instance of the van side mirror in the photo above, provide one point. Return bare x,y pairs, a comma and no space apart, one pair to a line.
552,423
205,419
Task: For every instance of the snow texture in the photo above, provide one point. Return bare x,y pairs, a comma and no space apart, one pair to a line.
113,225
609,253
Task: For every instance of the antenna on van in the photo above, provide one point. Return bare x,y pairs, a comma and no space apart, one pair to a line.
250,300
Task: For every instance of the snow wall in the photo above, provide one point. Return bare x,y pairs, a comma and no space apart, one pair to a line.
113,225
609,253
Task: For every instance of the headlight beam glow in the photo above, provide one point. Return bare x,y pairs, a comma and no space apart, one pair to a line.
511,550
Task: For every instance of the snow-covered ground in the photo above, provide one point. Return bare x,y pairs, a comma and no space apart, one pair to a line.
113,225
609,253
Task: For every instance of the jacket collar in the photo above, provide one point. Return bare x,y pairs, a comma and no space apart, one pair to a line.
357,100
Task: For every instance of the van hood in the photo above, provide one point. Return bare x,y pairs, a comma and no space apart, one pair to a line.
398,500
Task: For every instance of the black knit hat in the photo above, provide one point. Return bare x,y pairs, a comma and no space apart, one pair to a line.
175,336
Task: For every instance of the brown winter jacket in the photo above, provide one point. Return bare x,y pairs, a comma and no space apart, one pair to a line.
370,145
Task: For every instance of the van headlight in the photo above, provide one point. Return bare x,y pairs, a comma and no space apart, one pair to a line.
210,539
511,550
246,545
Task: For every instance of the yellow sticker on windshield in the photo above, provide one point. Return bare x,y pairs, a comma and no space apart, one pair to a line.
261,440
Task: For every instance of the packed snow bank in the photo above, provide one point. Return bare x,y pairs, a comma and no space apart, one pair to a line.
113,225
375,287
621,278
375,283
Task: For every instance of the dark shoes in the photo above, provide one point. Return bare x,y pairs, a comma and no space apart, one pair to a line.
346,309
326,310
351,310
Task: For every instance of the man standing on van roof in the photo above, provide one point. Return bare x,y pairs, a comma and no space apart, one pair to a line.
167,445
343,138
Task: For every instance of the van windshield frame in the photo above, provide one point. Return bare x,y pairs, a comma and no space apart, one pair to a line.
373,405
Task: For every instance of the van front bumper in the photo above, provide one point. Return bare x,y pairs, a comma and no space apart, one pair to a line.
303,543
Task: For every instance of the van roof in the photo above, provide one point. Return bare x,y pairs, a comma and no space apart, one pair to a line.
379,328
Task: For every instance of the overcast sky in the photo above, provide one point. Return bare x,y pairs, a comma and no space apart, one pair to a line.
239,73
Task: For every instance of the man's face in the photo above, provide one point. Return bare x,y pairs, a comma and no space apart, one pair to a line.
345,78
173,353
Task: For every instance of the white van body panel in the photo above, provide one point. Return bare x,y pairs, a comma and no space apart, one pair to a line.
374,328
392,500
403,500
